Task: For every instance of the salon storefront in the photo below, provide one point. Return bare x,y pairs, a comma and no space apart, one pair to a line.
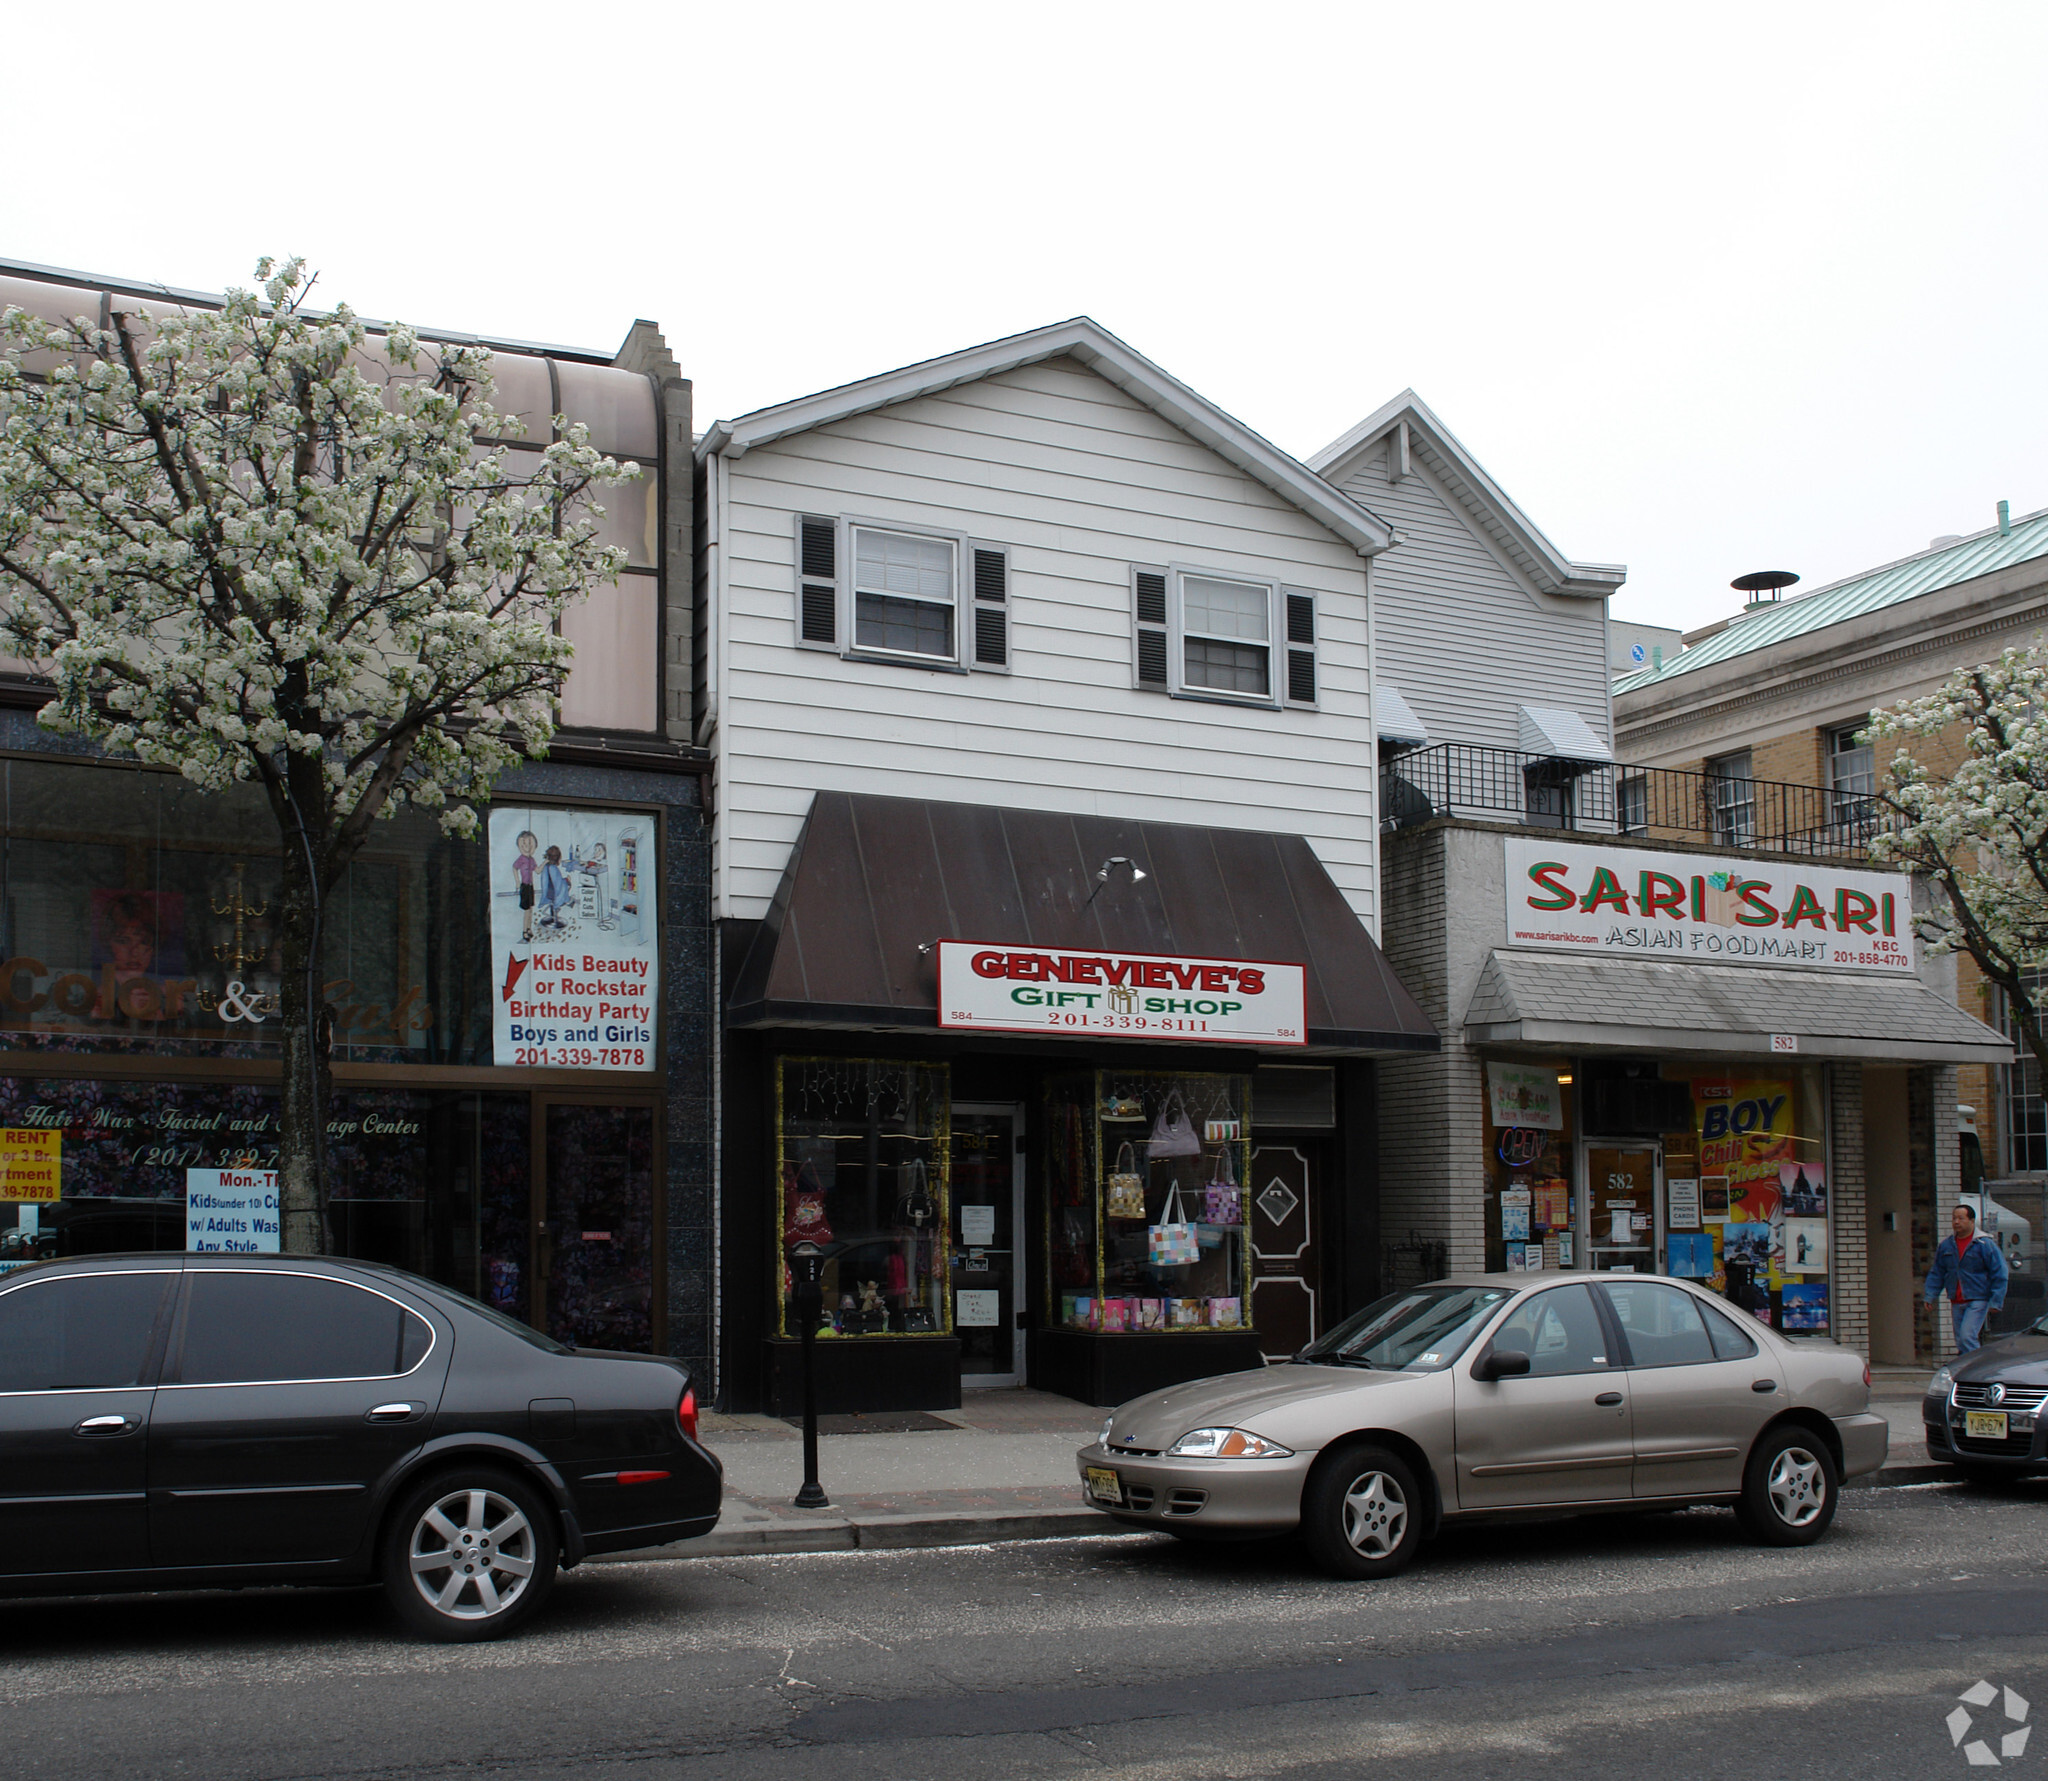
1073,1102
1736,1069
521,1075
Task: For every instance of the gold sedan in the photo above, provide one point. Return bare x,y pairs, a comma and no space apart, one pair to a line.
1492,1395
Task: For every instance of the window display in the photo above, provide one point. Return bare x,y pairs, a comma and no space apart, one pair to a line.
862,1170
1146,1229
1529,1200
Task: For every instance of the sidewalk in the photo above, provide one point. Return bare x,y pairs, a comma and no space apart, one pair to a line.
1001,1467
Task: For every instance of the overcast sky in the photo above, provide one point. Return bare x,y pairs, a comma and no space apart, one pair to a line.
1706,288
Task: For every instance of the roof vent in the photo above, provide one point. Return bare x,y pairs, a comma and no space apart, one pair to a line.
1944,541
1763,586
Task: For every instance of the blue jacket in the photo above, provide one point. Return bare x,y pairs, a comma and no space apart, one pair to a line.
1983,1271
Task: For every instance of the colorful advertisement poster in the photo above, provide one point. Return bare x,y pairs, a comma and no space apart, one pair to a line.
31,1165
574,939
1525,1095
1571,897
232,1211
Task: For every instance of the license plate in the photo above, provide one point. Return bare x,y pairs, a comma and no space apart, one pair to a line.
1104,1486
1984,1425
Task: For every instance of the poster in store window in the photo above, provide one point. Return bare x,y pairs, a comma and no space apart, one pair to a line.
1682,1204
1524,1095
576,957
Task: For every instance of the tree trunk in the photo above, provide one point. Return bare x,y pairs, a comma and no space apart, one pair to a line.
308,1077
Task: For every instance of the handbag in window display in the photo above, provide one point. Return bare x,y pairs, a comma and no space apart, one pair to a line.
1157,1242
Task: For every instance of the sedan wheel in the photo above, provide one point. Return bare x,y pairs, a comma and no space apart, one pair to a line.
469,1556
1361,1513
1789,1489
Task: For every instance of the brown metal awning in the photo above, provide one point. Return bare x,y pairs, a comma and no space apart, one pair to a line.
874,881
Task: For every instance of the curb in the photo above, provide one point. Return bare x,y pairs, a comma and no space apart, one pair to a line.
971,1527
879,1533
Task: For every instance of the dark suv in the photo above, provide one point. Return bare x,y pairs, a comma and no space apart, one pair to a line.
182,1421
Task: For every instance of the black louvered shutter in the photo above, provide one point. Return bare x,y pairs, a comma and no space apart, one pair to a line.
1149,604
818,581
991,609
1301,648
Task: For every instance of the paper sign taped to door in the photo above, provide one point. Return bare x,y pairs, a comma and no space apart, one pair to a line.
978,1225
977,1307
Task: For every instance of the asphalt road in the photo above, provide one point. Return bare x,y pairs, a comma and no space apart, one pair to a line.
1658,1645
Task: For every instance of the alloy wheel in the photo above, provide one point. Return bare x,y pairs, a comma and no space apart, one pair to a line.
1375,1514
1797,1486
472,1554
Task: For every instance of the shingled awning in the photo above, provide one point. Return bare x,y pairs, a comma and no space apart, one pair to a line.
873,882
1644,1005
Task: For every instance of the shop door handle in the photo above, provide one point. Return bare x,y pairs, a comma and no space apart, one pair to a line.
1763,1385
1608,1400
106,1425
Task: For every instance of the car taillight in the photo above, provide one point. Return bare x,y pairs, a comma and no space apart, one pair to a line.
686,1412
1866,1375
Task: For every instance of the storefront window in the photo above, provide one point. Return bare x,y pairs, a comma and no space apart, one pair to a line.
862,1154
139,914
1529,1136
1761,1233
1146,1177
437,1182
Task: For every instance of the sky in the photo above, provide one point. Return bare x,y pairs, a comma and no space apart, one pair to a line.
1707,289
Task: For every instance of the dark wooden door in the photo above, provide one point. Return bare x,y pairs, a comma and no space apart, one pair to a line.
1286,1278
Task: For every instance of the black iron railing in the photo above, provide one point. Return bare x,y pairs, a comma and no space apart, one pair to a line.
1606,798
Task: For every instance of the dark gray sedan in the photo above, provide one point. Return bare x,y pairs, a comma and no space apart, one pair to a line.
1983,1412
173,1421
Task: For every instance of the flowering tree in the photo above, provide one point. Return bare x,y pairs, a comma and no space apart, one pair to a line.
1981,833
252,544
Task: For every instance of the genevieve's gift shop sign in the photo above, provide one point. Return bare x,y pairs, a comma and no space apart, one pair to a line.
1036,989
1692,907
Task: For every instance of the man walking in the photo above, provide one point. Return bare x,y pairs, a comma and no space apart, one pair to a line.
1972,1272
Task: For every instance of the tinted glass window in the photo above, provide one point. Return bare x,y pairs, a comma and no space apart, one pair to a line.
78,1334
1558,1330
1663,1324
1731,1341
258,1327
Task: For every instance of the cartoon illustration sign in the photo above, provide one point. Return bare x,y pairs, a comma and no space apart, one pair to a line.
576,957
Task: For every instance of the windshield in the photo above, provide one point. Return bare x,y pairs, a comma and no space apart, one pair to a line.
1418,1331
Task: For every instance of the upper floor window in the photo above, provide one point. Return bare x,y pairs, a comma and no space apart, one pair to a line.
1214,636
1731,789
1852,776
932,599
903,593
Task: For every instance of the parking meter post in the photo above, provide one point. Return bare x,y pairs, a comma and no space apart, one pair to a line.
807,1265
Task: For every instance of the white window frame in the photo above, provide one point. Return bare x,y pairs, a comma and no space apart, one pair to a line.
849,596
1178,575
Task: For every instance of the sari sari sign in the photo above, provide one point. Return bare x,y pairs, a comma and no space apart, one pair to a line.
1042,989
1693,908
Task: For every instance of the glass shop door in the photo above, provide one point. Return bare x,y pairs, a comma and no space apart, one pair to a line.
598,1240
988,1242
1623,1228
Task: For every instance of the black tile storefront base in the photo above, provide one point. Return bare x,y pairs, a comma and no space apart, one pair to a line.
1114,1369
860,1375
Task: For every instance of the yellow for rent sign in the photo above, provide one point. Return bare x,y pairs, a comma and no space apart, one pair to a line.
30,1164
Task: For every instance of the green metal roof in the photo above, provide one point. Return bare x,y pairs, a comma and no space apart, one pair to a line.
1907,579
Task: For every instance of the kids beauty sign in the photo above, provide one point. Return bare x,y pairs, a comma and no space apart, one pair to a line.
1694,907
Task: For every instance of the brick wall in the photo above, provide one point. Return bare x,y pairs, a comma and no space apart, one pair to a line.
1849,1265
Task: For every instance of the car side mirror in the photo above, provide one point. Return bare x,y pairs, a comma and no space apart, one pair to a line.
1501,1363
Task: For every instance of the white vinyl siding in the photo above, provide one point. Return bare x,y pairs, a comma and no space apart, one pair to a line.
1459,630
1079,482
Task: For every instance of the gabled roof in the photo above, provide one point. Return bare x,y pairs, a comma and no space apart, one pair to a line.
1927,572
1437,447
1103,353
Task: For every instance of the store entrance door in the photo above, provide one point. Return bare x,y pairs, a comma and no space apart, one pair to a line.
1280,1202
988,1242
1624,1202
597,1227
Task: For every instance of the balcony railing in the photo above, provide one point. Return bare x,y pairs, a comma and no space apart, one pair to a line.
1652,803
